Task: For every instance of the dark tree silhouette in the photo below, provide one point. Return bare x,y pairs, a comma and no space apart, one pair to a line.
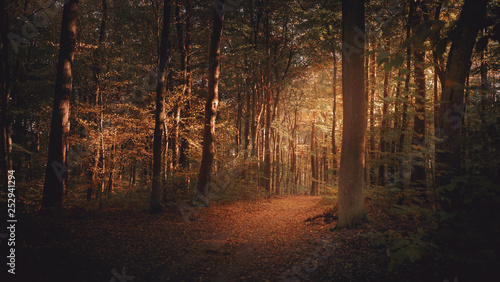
56,170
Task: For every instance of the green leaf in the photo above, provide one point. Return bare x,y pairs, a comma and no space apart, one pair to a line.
404,71
382,56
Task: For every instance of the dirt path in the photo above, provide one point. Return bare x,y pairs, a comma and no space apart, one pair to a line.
241,241
262,240
248,241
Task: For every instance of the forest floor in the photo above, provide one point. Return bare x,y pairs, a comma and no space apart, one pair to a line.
261,240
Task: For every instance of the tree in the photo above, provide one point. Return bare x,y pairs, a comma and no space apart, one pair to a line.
352,209
155,205
56,170
212,102
418,175
448,152
267,91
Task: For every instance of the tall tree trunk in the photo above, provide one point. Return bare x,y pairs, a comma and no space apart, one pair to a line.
5,134
352,209
211,105
56,170
448,155
96,70
238,121
383,126
418,174
267,89
334,122
188,80
373,78
155,204
314,163
404,119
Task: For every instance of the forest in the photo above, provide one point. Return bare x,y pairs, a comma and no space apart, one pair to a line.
250,140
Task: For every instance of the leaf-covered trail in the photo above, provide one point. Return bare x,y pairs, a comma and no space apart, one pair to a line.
252,240
266,239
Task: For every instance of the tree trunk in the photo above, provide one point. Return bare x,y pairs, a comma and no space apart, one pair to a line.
373,78
211,105
96,70
418,174
334,122
267,89
352,209
187,41
448,156
383,126
404,119
56,170
314,164
155,204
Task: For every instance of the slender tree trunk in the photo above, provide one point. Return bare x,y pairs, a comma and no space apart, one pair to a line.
373,78
56,170
383,126
155,204
334,122
267,89
98,103
238,121
418,174
352,209
211,105
188,81
405,102
314,164
247,119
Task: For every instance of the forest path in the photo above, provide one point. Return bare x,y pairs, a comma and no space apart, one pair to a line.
278,221
259,240
249,240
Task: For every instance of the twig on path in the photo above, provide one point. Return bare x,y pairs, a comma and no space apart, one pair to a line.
329,216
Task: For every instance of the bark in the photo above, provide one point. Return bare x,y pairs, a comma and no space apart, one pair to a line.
155,204
404,113
211,106
383,127
267,89
188,80
314,163
448,156
334,122
56,170
418,174
352,209
373,78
